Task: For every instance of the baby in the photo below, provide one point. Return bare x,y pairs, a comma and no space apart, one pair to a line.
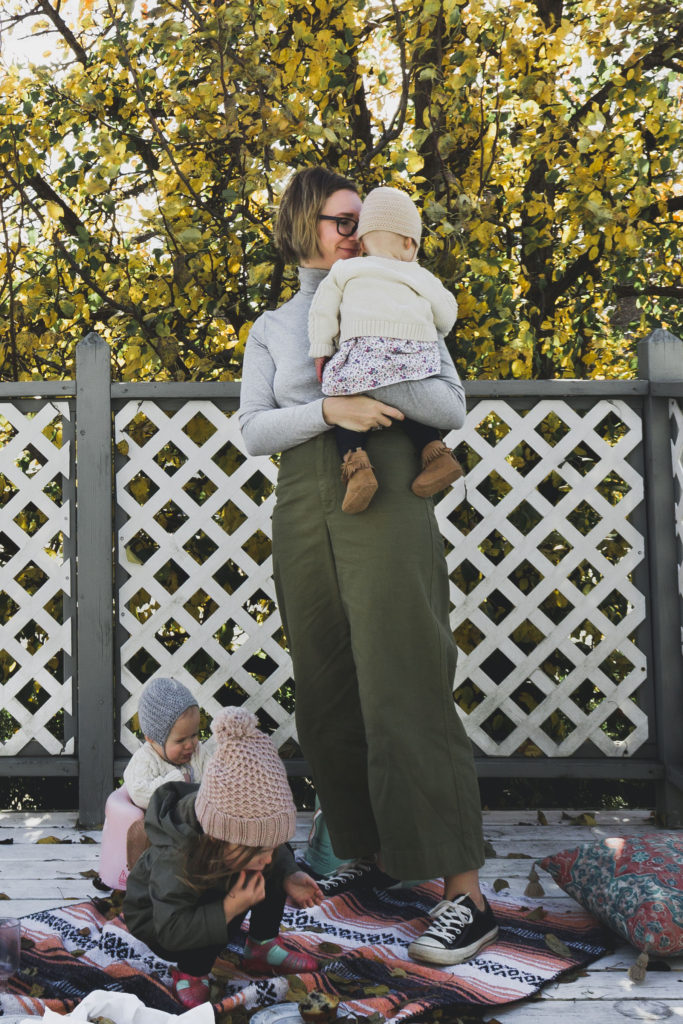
374,321
169,719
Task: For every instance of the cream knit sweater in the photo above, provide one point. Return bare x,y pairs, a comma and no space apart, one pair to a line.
377,296
281,403
146,771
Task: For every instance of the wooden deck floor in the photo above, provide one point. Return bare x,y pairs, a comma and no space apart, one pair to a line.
36,876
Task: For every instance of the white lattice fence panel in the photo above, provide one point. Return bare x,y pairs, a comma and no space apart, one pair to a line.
542,561
35,634
199,600
676,413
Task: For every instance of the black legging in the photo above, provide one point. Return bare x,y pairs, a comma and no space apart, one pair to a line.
264,924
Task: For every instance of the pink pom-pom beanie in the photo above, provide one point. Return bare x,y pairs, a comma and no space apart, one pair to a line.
244,796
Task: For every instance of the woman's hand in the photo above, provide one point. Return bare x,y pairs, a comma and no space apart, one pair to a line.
302,890
359,412
250,888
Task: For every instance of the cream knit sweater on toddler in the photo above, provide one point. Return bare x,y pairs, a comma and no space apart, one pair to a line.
376,296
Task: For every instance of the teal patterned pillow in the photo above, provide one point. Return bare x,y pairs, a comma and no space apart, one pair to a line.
634,885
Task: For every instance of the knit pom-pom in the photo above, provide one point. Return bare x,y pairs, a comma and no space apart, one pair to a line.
234,724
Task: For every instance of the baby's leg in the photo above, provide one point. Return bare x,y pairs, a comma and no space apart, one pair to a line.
357,474
349,440
439,465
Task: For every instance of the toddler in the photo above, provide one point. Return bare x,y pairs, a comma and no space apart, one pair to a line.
169,718
375,321
217,851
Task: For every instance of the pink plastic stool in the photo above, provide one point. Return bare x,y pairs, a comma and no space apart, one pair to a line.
119,814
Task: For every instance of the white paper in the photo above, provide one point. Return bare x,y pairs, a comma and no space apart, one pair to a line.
123,1008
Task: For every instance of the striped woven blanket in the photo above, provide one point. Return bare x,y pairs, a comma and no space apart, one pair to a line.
360,940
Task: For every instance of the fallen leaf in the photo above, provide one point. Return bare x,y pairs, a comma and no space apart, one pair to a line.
87,839
489,852
330,947
541,818
52,839
37,991
638,971
297,990
569,976
376,990
557,945
398,972
77,952
90,873
6,842
534,889
537,914
500,883
4,896
27,943
579,819
519,856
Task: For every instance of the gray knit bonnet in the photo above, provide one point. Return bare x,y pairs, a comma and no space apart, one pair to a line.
389,209
244,796
162,703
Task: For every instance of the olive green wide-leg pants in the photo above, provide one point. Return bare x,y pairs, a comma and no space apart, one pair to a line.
364,603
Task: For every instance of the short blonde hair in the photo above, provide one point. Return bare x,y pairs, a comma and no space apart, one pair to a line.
296,228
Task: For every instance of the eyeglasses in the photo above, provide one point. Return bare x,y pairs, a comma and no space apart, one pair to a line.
346,226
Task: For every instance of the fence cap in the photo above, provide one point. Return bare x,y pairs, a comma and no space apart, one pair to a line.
660,357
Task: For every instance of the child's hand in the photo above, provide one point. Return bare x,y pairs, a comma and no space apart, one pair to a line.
250,888
302,890
320,366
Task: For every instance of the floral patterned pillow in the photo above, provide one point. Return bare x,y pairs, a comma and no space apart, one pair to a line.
634,885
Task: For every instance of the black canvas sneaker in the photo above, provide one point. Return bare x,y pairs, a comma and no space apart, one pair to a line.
358,874
458,931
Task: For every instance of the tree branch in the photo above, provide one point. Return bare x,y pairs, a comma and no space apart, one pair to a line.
653,59
64,31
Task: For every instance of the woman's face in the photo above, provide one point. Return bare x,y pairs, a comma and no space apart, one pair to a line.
333,246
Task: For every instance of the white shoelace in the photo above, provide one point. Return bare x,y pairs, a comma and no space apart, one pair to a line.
450,921
347,875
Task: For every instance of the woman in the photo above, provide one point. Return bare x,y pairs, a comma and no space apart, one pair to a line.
364,599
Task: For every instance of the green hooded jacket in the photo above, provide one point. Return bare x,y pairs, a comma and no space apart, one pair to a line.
160,908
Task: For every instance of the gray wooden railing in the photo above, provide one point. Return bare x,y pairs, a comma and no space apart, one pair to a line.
134,538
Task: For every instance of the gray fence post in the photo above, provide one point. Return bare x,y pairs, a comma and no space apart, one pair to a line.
94,545
660,358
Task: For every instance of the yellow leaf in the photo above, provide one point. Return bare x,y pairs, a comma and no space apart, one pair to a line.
54,210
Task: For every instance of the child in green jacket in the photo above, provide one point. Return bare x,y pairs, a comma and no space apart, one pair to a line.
217,851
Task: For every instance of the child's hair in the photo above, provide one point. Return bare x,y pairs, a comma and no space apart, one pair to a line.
162,703
210,862
296,228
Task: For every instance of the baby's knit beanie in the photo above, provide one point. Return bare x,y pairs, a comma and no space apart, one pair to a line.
389,209
244,796
162,703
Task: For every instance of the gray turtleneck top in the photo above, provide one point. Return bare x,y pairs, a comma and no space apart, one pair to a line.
281,404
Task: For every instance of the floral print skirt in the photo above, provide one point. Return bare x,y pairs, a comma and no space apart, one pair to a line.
361,364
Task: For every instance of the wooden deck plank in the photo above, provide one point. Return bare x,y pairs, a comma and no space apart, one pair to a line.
40,876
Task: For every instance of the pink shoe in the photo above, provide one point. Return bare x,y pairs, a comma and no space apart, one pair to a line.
272,958
189,989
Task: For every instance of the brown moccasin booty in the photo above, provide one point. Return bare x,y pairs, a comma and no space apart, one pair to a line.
361,482
439,469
